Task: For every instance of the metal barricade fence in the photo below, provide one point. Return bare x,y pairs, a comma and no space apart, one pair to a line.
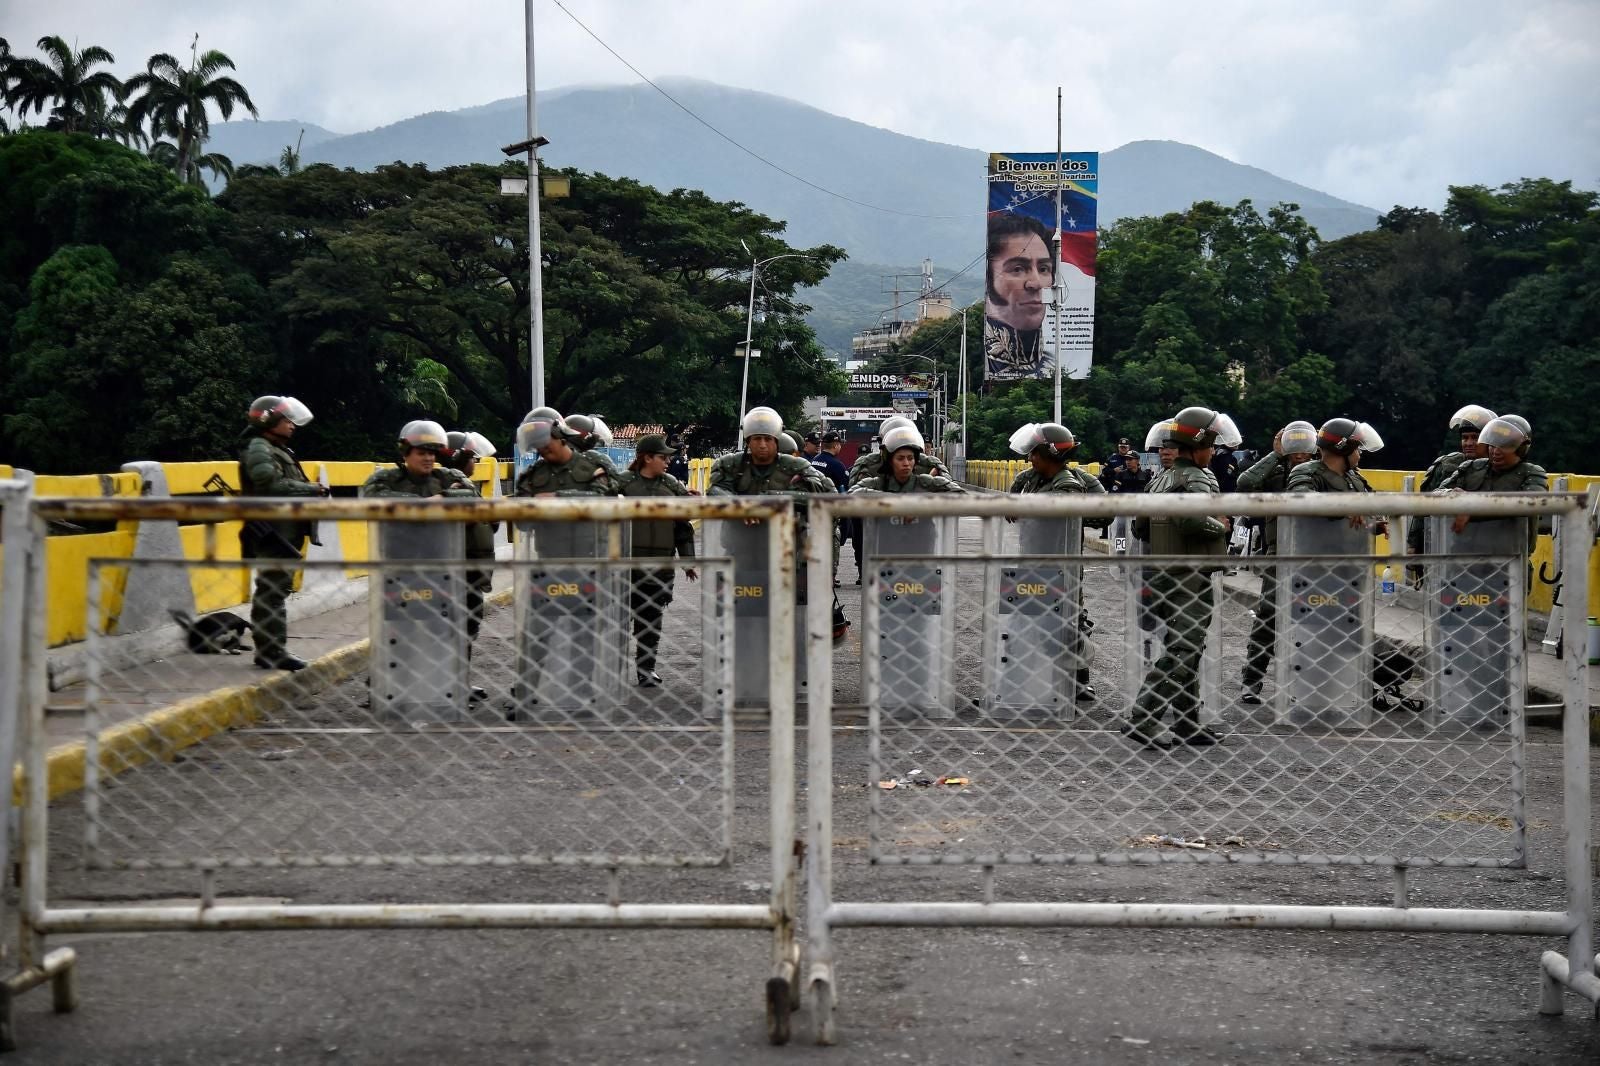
1355,752
462,732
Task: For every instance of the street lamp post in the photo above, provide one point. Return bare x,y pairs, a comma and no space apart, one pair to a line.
749,327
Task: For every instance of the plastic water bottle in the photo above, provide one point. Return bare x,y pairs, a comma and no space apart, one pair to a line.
1386,587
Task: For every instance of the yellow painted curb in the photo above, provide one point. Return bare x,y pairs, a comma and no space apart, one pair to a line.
159,735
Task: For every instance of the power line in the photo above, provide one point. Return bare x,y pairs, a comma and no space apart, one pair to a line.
752,153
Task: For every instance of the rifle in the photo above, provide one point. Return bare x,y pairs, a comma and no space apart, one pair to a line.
258,530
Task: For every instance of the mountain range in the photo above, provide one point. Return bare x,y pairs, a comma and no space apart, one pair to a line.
892,200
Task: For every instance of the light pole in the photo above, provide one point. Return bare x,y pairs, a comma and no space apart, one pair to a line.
749,327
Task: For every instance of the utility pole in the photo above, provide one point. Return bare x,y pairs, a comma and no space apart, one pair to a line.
535,255
963,393
1058,289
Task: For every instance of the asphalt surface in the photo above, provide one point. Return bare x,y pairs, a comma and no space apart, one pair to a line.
322,776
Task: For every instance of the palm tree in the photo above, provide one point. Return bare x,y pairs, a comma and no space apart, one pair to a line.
5,79
111,124
165,153
65,83
175,101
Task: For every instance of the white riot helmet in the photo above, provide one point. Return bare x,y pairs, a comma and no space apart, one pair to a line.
539,427
1157,437
903,437
1058,439
268,411
1506,434
1298,438
889,423
761,422
1473,417
425,434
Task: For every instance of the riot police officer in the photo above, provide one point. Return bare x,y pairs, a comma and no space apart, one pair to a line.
1047,447
870,462
759,470
1469,422
267,467
1506,469
1182,594
653,538
904,446
562,470
1337,467
1292,445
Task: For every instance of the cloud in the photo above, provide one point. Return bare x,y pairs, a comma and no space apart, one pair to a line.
1380,103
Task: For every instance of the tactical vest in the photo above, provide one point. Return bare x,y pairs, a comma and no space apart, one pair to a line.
583,474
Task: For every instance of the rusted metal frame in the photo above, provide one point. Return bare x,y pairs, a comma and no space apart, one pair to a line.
782,554
819,776
515,509
1318,504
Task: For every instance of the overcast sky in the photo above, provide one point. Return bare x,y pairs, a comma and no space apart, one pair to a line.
1380,102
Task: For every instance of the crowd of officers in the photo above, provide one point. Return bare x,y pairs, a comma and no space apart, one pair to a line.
437,464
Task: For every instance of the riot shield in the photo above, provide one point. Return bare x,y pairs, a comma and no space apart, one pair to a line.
908,640
1032,658
419,624
746,545
1324,620
1473,679
572,619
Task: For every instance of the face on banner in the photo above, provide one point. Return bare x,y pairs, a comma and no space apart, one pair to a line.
1021,273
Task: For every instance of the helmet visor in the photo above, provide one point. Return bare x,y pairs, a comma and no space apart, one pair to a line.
293,410
1158,434
1228,435
1368,438
479,445
1500,433
532,436
1472,416
602,432
1299,438
1022,441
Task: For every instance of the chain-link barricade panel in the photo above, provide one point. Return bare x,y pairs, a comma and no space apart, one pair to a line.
1336,752
594,697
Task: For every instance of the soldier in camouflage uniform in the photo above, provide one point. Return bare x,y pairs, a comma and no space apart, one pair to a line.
759,470
1336,468
1047,447
1292,445
1182,595
653,538
1508,439
267,467
870,462
905,446
1469,422
420,474
562,470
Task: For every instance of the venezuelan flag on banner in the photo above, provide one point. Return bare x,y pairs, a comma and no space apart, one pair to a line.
1020,315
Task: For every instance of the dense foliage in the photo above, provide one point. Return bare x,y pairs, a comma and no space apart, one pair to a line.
1495,301
140,317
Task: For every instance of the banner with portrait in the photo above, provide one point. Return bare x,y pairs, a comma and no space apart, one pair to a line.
1021,319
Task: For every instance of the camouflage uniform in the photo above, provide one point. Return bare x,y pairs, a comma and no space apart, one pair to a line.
585,474
735,474
270,469
1478,475
870,464
1317,476
1183,600
397,481
653,538
917,483
1439,471
1270,473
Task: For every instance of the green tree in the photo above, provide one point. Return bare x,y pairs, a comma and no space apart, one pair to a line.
65,81
176,101
644,299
